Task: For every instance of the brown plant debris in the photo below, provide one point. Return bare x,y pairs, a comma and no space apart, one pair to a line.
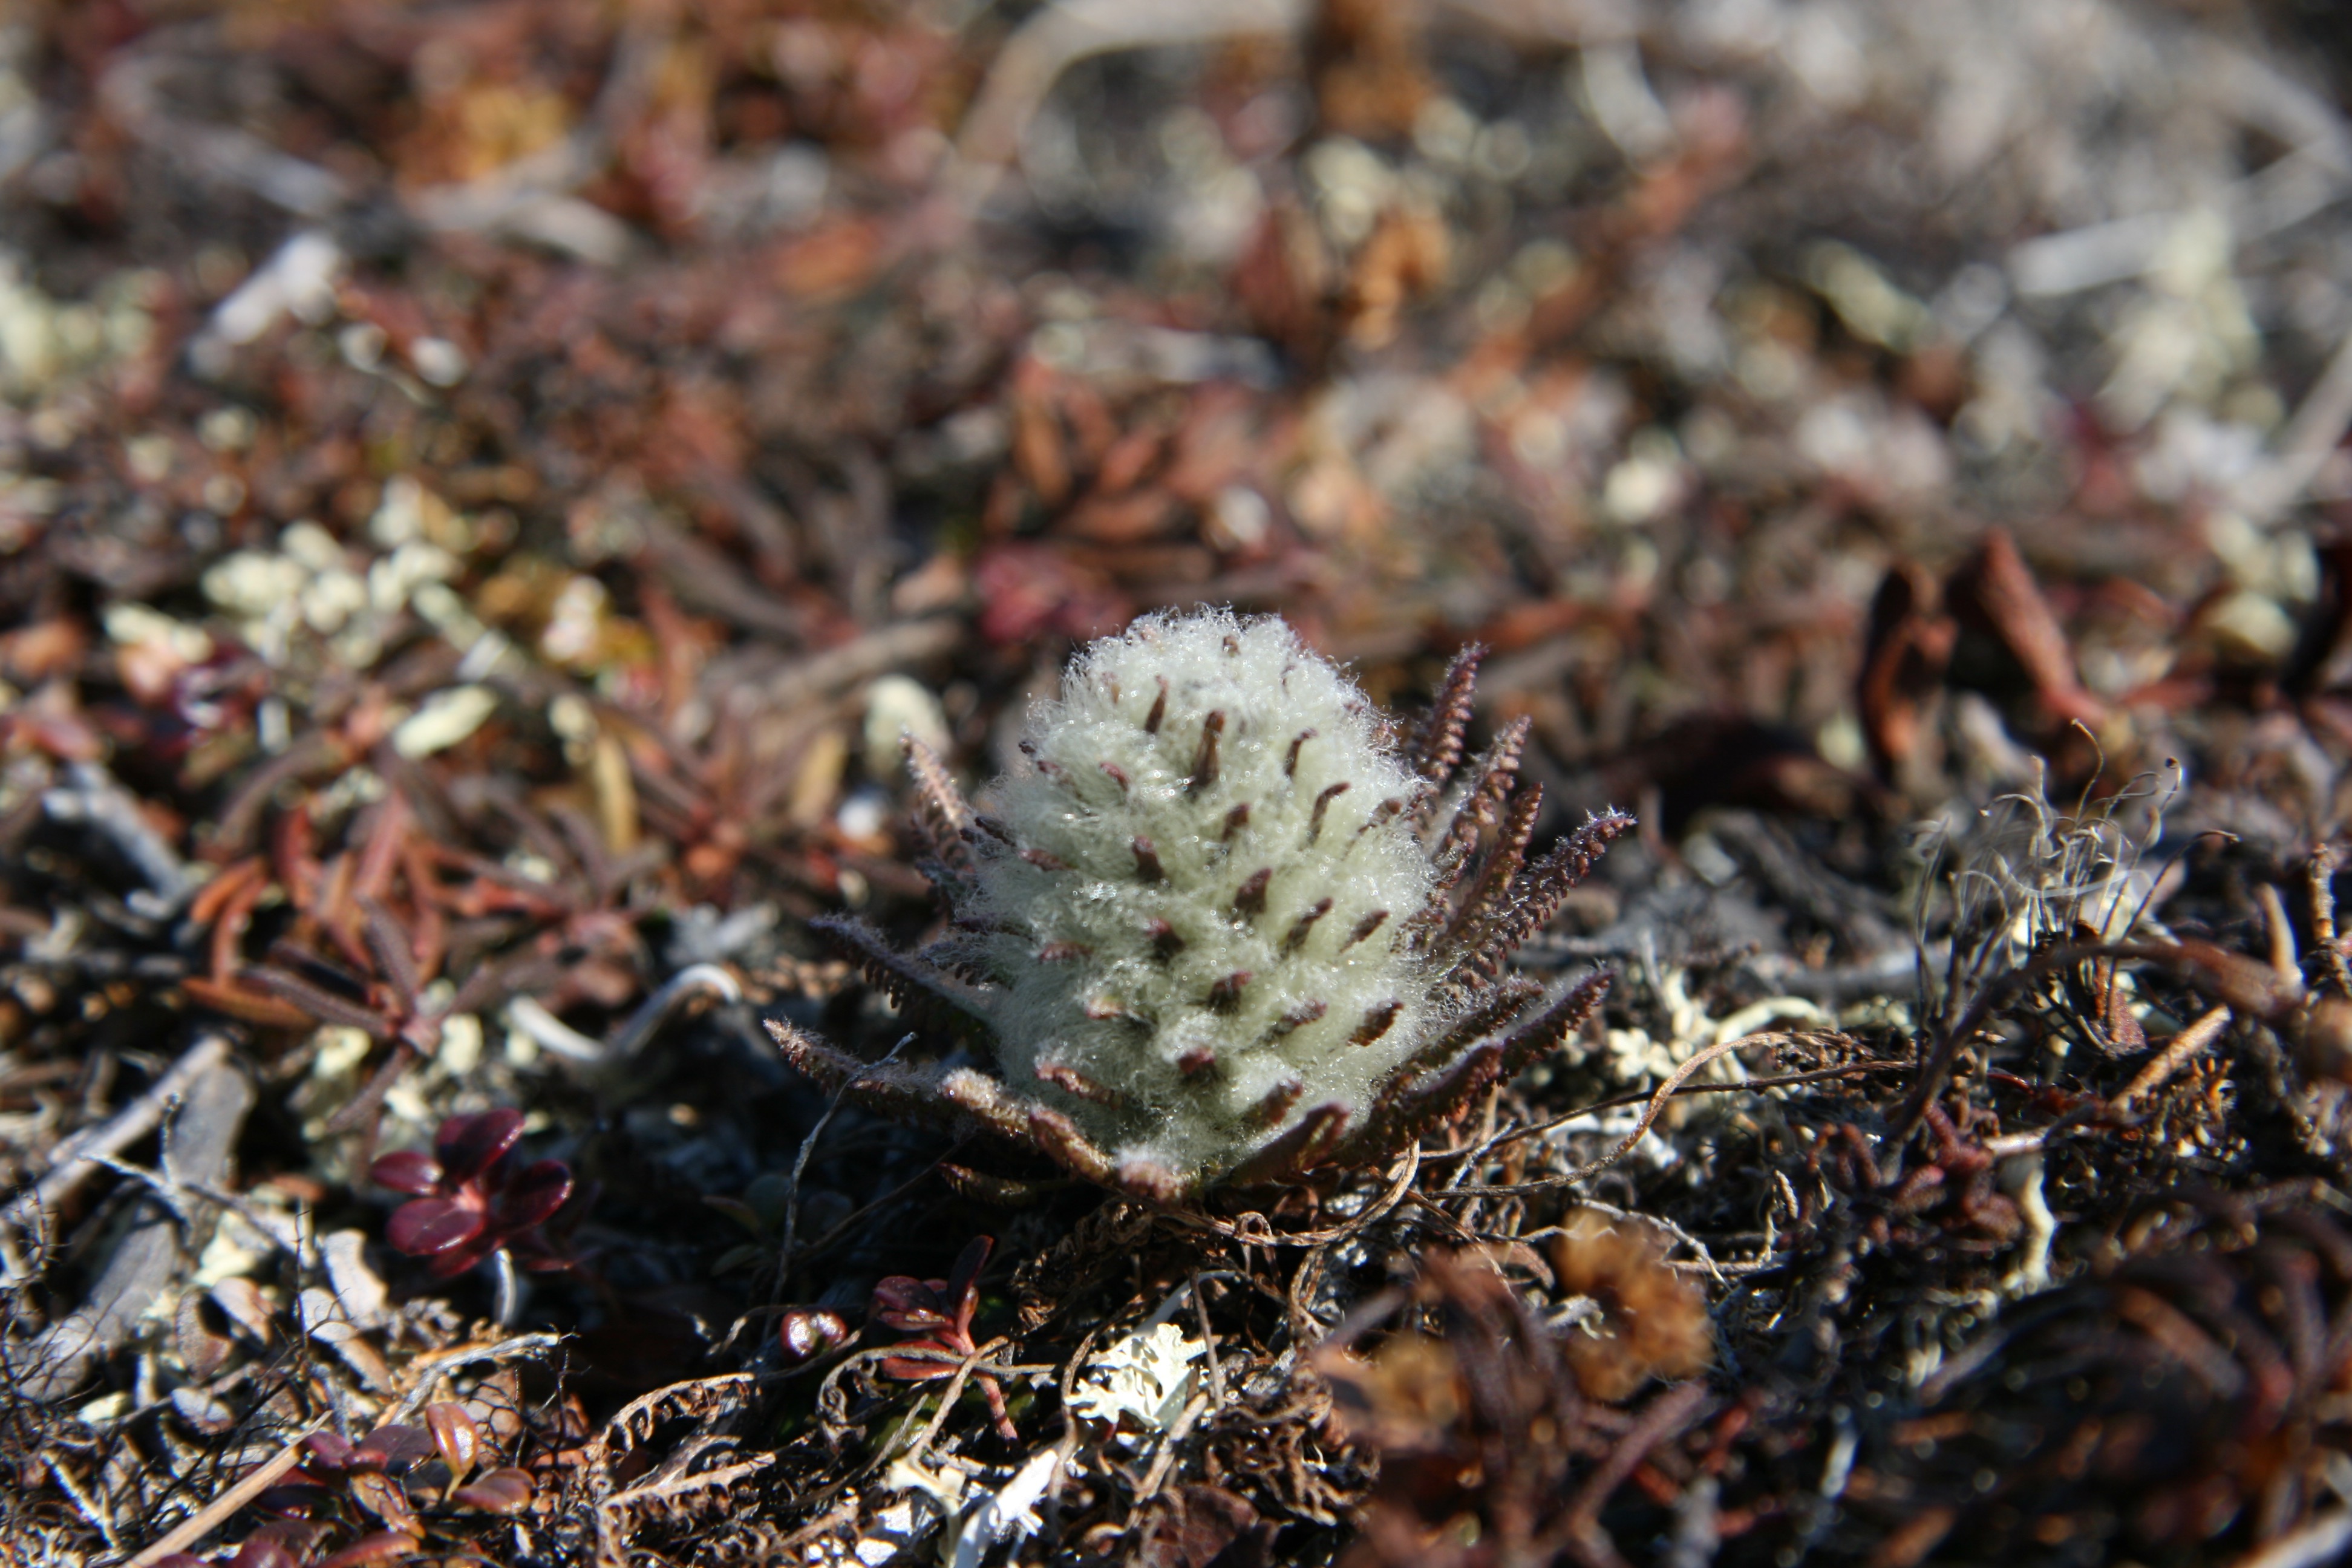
524,526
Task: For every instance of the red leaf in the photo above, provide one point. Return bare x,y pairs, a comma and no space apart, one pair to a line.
262,1551
534,1196
456,1436
962,1291
1026,589
384,1546
412,1170
294,1536
504,1490
1905,654
426,1227
459,1259
330,1450
905,1370
395,1446
908,1369
295,1499
1996,590
469,1145
383,1497
907,1304
807,1333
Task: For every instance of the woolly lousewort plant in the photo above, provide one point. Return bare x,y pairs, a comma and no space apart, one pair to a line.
1219,926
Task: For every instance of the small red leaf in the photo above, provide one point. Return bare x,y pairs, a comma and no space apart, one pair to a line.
963,1281
295,1499
906,1369
425,1227
534,1196
296,1535
459,1259
411,1170
384,1546
262,1551
806,1334
504,1490
396,1446
456,1436
907,1304
330,1450
383,1497
469,1145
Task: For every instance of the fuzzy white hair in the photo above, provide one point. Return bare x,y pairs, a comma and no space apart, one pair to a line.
1201,933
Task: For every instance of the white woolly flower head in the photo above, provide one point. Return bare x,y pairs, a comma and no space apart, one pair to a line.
1197,893
1203,934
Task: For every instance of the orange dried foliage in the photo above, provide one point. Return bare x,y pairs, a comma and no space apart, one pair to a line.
246,1005
480,127
1404,260
1491,1452
1654,1318
1365,57
32,654
1122,519
1406,1396
830,263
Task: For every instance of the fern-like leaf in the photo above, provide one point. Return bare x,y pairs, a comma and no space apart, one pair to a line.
1438,749
905,979
1555,1024
1535,897
940,813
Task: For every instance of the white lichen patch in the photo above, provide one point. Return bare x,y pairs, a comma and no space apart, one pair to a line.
1198,892
446,718
312,589
1143,1382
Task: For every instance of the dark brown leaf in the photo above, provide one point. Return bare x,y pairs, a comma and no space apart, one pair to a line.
1995,591
261,1552
1905,651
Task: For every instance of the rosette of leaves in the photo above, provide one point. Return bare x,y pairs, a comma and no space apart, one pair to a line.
1221,926
378,1494
471,1197
936,1315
